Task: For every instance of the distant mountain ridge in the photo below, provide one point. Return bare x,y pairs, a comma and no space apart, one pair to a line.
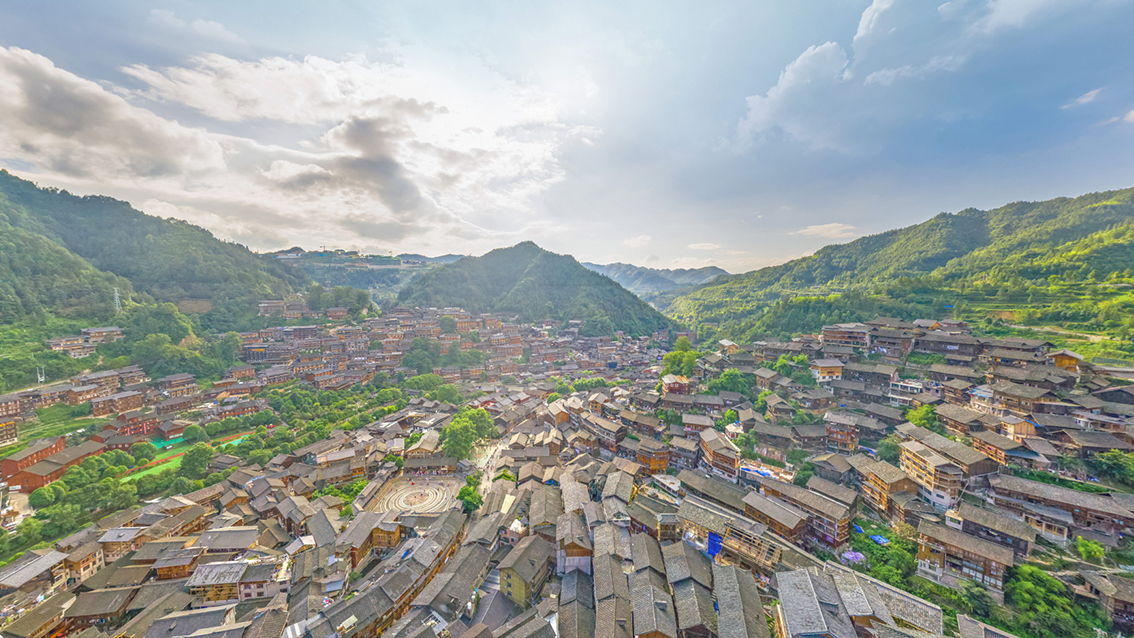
536,285
1090,236
442,259
641,279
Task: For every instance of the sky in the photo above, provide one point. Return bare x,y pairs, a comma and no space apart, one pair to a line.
665,134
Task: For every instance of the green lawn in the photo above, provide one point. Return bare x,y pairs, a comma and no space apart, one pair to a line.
171,458
173,463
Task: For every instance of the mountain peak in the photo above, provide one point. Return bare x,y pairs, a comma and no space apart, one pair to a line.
536,285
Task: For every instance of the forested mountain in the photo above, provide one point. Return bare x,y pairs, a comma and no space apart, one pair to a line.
1066,262
640,279
168,259
38,275
536,285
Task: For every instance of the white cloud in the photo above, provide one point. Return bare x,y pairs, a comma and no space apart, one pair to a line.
834,230
691,262
1085,98
704,246
71,126
312,90
206,29
1004,14
637,242
380,156
784,105
886,77
870,16
1129,117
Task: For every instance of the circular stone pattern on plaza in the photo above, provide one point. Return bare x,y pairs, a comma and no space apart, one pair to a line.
419,497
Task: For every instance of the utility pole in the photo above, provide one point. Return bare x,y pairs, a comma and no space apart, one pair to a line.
40,374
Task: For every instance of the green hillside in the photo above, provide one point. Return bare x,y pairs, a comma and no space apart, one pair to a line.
38,275
1064,262
536,285
641,280
170,260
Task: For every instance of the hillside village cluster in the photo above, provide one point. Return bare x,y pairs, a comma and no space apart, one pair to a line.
625,511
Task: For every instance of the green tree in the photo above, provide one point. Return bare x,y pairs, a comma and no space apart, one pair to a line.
978,599
731,380
260,457
1113,464
682,345
448,325
447,393
77,477
469,498
195,461
424,382
926,417
41,498
195,433
30,531
728,418
552,398
889,450
142,321
1090,550
804,474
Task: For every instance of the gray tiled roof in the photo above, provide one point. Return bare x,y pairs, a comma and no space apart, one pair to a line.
577,585
887,472
957,413
612,539
618,485
811,605
996,521
705,514
844,495
969,627
714,488
609,579
449,590
740,612
694,606
570,528
683,562
968,542
576,620
910,609
652,604
776,510
614,618
827,507
1085,500
528,557
647,553
860,598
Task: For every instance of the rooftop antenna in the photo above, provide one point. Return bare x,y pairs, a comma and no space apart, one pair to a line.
117,302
